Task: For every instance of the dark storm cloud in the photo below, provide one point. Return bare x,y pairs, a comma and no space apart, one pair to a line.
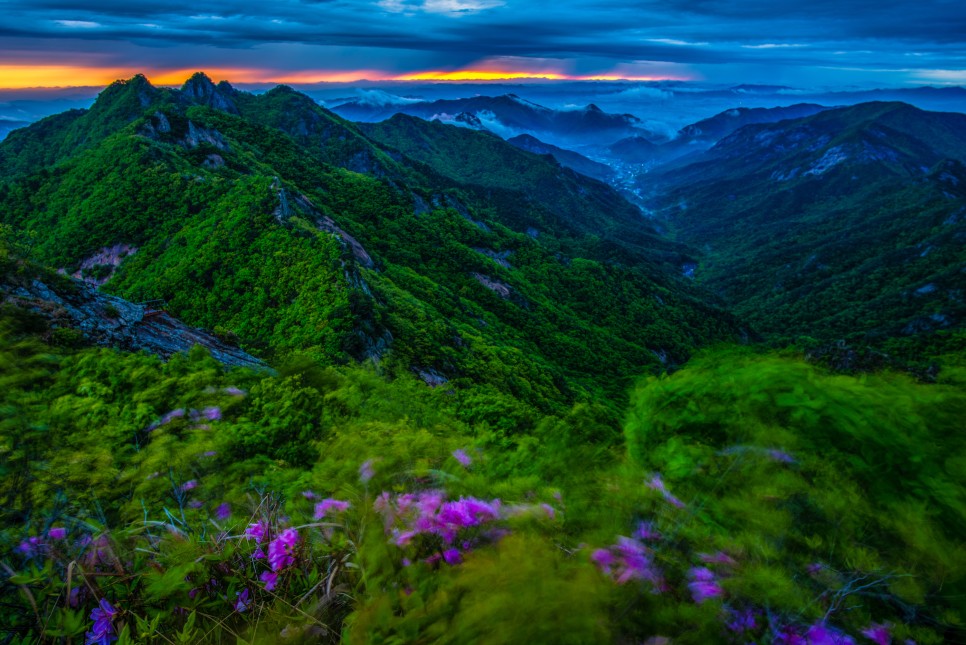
870,33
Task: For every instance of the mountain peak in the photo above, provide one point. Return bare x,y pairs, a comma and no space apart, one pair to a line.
201,90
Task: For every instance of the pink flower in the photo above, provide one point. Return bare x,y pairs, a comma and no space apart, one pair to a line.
280,549
329,504
464,459
57,533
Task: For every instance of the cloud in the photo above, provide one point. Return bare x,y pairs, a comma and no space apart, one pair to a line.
78,24
379,98
439,6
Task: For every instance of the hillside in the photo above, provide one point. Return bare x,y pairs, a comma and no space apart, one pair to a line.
568,158
845,224
267,218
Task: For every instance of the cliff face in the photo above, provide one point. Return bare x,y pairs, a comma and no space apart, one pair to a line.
113,322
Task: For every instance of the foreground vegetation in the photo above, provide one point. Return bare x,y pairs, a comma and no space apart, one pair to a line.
751,497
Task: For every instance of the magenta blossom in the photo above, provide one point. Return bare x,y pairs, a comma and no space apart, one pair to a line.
255,531
822,634
329,504
280,549
464,459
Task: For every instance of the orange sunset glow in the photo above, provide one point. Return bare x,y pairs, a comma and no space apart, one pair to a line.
27,76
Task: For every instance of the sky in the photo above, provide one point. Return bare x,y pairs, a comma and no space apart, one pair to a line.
828,43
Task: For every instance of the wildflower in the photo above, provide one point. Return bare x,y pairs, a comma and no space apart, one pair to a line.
30,546
171,416
603,558
255,531
878,633
57,533
307,494
657,484
270,579
719,557
211,413
742,621
452,556
815,568
704,585
647,531
234,391
189,485
549,510
223,512
821,634
329,504
780,456
102,631
210,453
281,548
366,472
464,459
242,600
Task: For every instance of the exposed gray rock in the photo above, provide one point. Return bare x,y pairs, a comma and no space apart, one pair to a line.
114,322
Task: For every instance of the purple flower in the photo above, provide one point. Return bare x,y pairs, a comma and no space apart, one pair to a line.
30,546
604,559
329,504
171,416
307,494
703,585
878,633
815,568
270,579
242,600
366,472
189,485
742,621
234,391
210,453
549,510
780,456
255,531
822,634
211,413
464,459
720,557
657,484
223,512
452,556
102,631
195,503
281,548
647,531
57,533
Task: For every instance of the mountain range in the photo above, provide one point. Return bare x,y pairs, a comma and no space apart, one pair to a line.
428,248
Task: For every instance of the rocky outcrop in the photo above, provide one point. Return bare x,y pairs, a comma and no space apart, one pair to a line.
100,267
201,91
114,322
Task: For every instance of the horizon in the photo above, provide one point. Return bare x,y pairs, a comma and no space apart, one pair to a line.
833,44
